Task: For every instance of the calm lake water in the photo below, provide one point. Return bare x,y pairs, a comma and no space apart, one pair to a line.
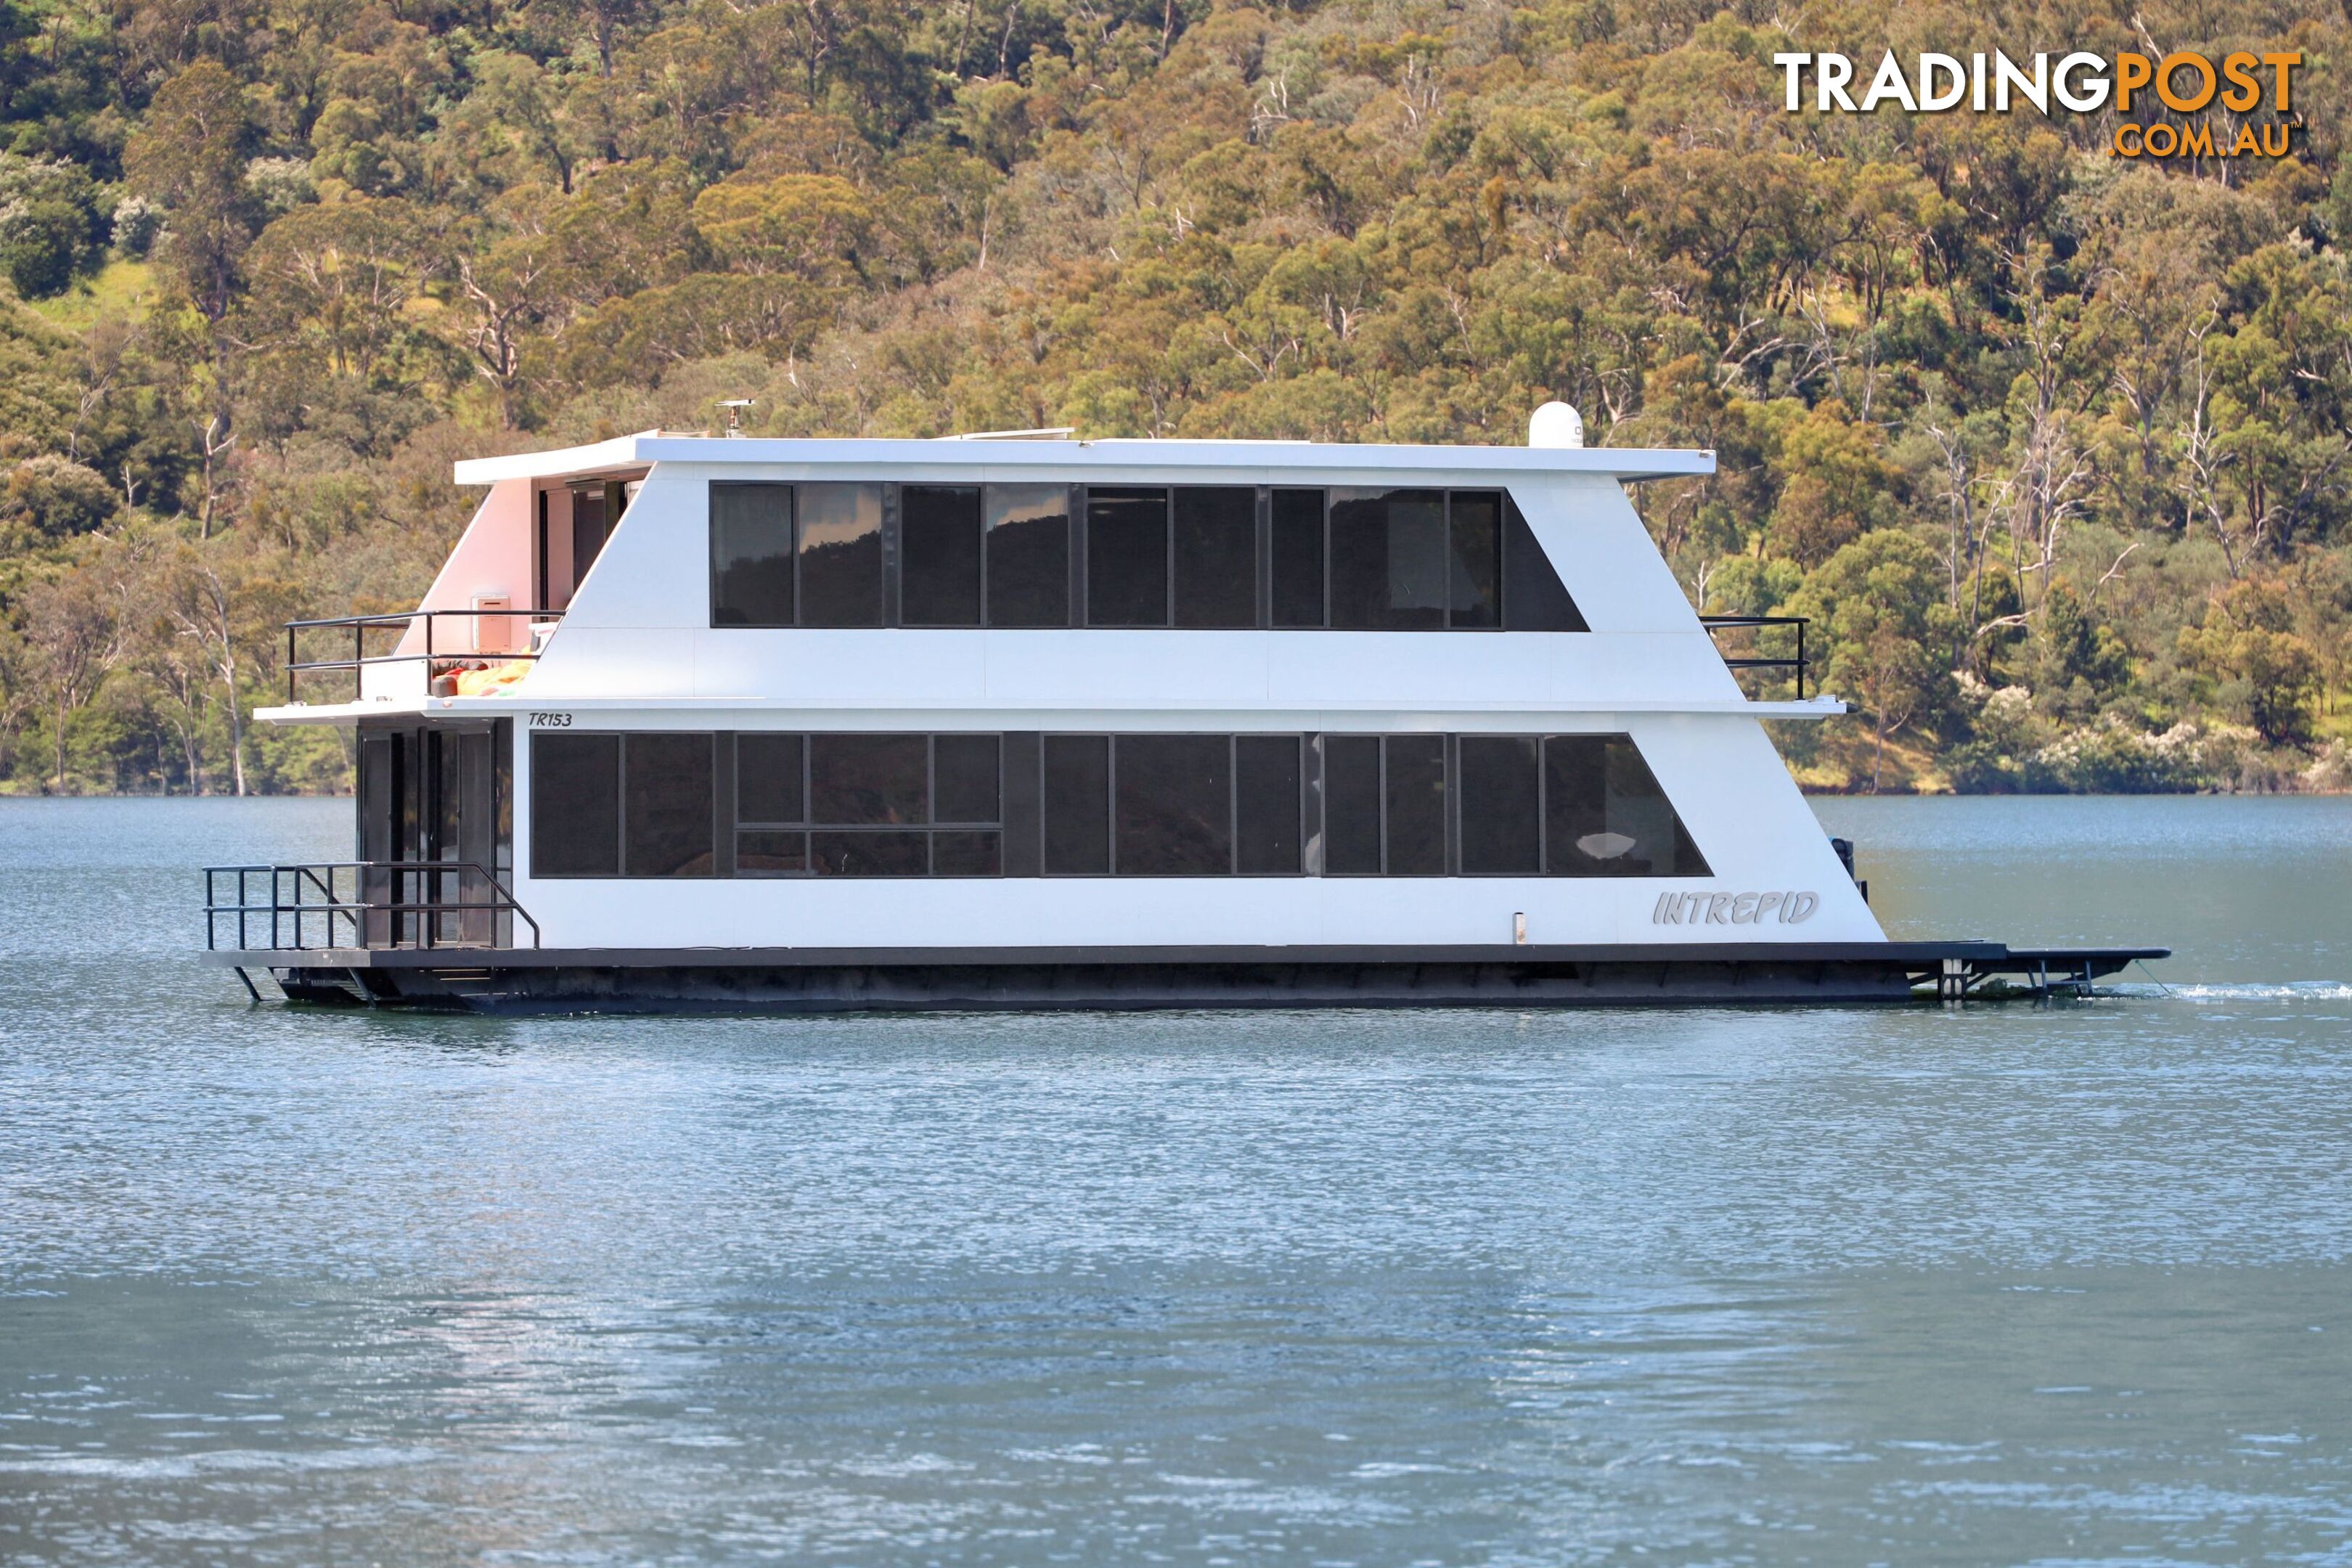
2001,1283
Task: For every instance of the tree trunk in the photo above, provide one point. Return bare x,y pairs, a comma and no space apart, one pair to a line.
236,734
188,751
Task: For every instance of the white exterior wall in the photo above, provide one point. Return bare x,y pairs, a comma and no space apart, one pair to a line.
635,652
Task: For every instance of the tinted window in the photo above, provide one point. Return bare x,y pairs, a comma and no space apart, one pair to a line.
1388,560
1351,805
868,779
751,555
771,854
962,854
1296,558
767,778
1127,557
576,805
939,556
1216,556
666,784
841,555
1028,555
1416,806
1265,805
1175,806
1502,806
592,525
870,854
1604,814
1077,804
1535,601
1475,528
964,778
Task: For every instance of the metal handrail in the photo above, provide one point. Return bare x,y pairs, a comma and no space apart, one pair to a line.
361,625
1718,622
306,896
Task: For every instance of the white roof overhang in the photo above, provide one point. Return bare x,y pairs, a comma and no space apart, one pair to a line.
1079,458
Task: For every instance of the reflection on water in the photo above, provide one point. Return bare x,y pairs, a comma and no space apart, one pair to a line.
2059,1283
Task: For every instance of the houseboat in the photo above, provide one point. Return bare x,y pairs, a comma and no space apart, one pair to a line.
702,721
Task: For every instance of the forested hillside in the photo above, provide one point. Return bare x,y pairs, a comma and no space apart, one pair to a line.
2052,444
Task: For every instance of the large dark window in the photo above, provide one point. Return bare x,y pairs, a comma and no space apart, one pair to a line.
868,779
576,805
1216,556
591,524
1351,805
1415,793
1077,804
1127,557
961,854
1295,558
964,774
649,803
623,805
872,805
769,852
1175,806
869,853
1192,556
667,791
769,795
1266,794
1535,601
841,555
1604,814
768,778
938,553
1474,528
751,555
1501,811
1388,560
1028,555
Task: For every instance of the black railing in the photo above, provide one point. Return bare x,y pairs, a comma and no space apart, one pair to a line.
1757,659
362,904
448,659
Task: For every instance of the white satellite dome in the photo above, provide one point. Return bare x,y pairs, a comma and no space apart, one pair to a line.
1555,424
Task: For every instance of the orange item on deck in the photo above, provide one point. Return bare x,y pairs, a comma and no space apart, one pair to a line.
482,682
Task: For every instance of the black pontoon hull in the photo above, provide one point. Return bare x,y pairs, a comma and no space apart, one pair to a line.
1009,980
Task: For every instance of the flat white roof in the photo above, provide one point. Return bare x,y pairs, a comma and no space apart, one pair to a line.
1083,456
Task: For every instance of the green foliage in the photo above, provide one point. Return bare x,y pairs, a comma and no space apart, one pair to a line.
49,224
58,496
2052,445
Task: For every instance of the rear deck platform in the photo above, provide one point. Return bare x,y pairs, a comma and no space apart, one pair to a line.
815,980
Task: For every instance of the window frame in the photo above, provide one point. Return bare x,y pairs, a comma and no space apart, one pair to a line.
808,826
895,552
1111,804
1313,825
791,550
1509,526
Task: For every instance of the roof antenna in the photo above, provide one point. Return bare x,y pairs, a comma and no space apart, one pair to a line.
735,406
